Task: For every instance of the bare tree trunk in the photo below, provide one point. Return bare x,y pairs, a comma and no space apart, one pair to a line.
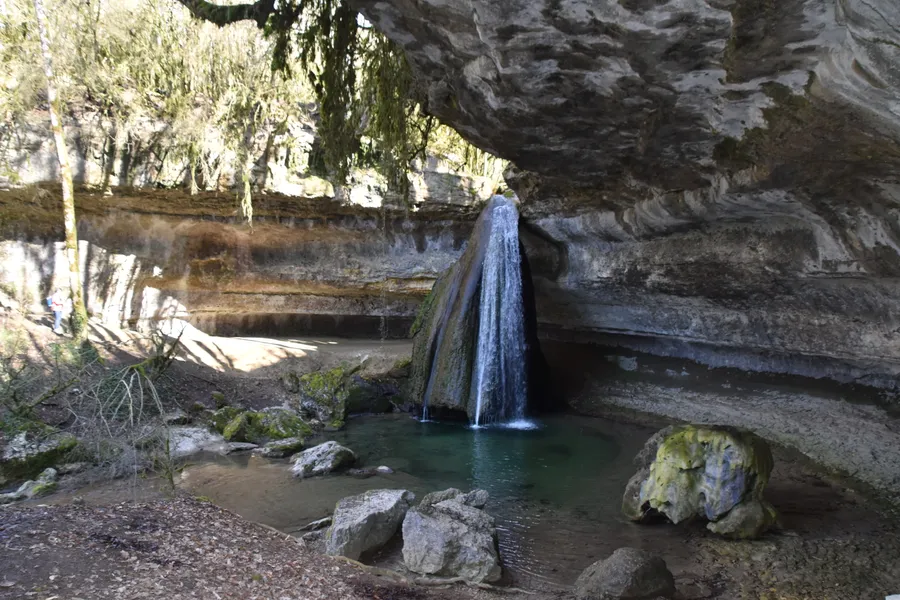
79,314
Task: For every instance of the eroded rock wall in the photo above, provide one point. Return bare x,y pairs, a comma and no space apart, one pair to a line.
306,265
714,179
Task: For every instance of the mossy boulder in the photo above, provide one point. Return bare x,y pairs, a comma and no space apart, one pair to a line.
323,395
264,426
220,419
328,396
712,472
237,429
280,424
28,454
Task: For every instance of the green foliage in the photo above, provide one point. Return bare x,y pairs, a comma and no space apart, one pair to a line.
150,82
145,69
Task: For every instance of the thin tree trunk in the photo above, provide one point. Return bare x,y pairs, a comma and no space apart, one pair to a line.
79,314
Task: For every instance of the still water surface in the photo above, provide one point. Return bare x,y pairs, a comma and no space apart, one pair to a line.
555,490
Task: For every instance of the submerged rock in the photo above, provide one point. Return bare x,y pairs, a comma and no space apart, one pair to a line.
628,574
43,485
475,498
366,522
716,473
451,539
322,459
366,472
27,454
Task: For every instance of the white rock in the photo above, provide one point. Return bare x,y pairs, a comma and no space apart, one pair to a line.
322,459
366,522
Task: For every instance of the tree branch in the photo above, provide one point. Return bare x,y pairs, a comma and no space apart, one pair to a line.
221,14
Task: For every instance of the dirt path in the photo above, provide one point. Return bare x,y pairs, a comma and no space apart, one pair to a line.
178,549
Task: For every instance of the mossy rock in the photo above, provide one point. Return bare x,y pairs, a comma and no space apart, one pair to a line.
279,424
222,417
281,448
26,456
401,368
43,489
219,399
324,395
291,382
260,427
236,430
712,472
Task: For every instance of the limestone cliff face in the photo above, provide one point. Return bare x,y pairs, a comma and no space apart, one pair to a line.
306,265
716,179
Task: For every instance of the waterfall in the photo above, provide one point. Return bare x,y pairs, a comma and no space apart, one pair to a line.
499,382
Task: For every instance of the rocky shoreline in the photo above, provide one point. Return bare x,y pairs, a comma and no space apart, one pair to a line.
831,542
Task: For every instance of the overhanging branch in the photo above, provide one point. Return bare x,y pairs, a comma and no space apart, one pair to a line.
222,14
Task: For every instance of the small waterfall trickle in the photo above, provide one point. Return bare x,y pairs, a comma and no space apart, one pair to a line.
499,381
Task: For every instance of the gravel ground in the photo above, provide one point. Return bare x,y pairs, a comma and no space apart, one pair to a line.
174,549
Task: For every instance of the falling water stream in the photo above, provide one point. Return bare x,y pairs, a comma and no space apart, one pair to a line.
499,384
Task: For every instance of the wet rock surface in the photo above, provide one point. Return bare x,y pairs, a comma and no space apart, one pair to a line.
448,538
446,330
366,522
629,574
715,473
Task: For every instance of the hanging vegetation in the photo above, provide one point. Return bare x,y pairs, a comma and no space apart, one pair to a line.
369,108
209,96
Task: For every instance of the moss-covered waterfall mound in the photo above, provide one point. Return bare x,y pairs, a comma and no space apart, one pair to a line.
446,331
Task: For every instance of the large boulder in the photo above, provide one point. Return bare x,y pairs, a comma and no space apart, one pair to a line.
263,426
28,454
322,459
366,522
451,539
628,574
323,395
713,472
